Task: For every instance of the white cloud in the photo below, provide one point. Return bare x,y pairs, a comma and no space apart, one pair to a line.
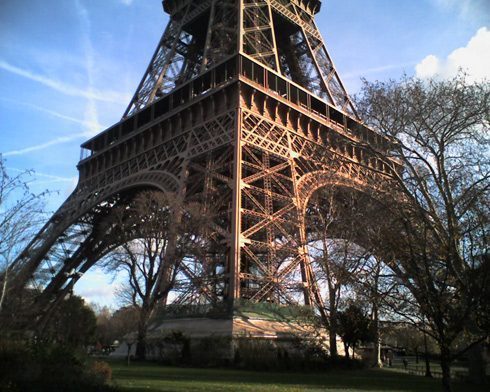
428,67
91,113
44,175
97,286
474,59
52,113
375,70
467,9
53,142
66,89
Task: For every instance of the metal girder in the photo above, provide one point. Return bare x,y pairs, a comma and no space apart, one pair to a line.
325,64
182,54
166,59
257,31
233,133
168,62
221,33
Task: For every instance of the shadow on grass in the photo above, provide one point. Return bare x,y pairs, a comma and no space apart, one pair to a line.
153,377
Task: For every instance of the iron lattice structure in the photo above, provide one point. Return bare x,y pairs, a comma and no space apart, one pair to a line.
241,103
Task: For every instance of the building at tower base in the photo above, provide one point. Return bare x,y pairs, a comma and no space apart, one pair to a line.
251,339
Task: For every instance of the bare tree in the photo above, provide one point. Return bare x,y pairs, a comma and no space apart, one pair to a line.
439,211
157,232
375,285
337,258
21,213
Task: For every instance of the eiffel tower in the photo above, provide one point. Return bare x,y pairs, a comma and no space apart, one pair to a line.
242,100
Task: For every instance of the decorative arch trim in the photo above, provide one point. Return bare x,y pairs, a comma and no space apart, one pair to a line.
83,203
311,182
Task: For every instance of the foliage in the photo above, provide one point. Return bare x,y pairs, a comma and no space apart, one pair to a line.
112,326
269,355
42,367
101,371
104,333
72,323
173,348
259,354
354,327
211,351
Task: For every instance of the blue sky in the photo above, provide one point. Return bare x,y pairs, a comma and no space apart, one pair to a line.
69,67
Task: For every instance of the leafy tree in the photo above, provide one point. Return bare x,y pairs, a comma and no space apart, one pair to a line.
124,321
104,334
354,327
436,234
119,325
73,323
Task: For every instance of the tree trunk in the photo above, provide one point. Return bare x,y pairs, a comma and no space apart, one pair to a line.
377,339
141,339
141,346
477,364
446,368
4,286
333,323
346,348
128,357
427,361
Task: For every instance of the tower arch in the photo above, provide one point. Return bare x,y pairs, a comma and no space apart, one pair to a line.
70,244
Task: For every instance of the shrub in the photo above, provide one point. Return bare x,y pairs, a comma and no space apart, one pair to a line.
257,354
172,348
297,354
43,367
101,371
345,363
211,351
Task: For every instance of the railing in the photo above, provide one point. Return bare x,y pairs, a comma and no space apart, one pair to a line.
290,91
182,95
241,307
222,74
458,370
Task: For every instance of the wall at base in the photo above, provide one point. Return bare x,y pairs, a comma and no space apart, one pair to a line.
240,341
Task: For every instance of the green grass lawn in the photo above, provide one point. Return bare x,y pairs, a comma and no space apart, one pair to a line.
153,377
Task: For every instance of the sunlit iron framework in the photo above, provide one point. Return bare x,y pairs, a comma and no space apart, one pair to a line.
241,103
